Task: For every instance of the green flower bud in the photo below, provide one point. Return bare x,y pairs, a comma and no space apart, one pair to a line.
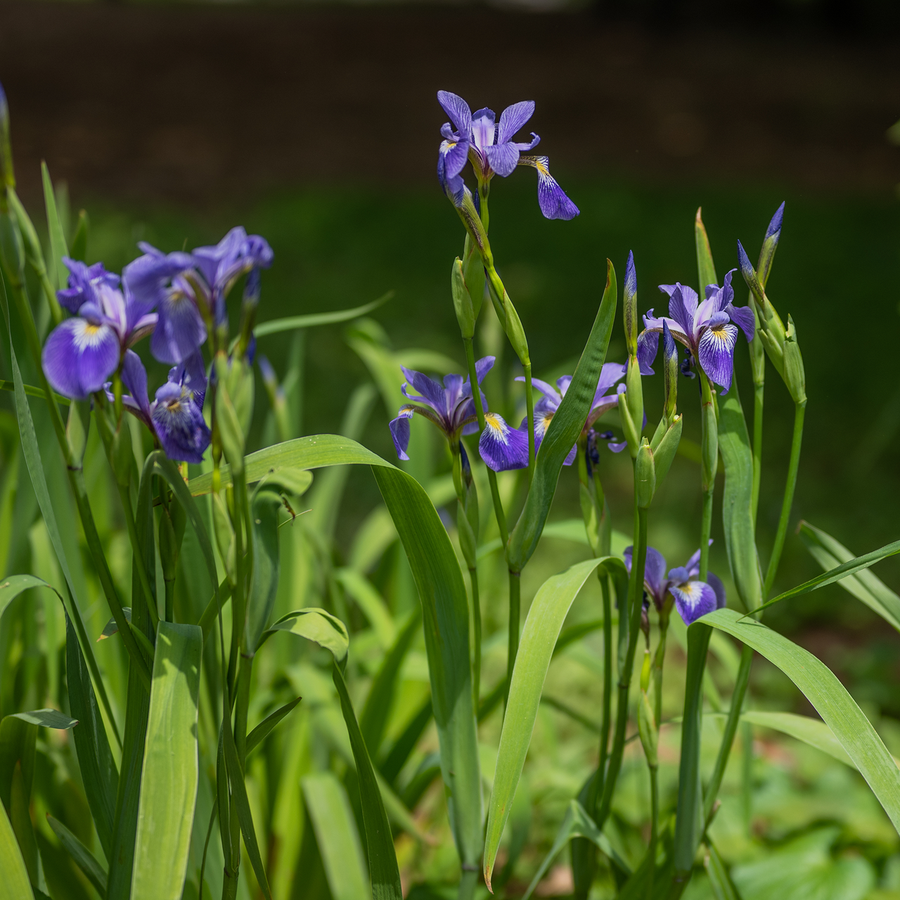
644,476
665,451
794,372
462,300
648,731
631,406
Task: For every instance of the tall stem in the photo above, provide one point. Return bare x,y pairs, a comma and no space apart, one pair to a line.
654,828
499,515
626,665
529,410
788,500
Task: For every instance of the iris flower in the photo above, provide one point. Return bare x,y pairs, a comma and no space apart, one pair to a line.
490,147
189,289
83,352
176,415
706,328
449,405
693,598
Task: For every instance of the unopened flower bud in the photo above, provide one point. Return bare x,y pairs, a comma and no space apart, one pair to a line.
644,475
794,372
7,178
629,307
770,244
670,358
462,300
631,406
665,451
648,731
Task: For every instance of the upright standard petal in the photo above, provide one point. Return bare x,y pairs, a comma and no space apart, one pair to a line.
458,110
513,118
552,199
83,282
501,447
134,377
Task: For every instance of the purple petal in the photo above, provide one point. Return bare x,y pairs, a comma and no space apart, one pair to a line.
458,111
134,377
630,276
179,331
453,156
501,447
718,589
483,128
655,572
552,199
682,307
145,277
743,316
79,357
773,232
693,599
503,158
610,374
179,424
430,391
647,347
746,266
717,354
452,185
513,118
483,366
83,282
400,431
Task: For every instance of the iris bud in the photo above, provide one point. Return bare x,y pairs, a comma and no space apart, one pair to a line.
665,451
631,410
670,358
7,178
629,307
794,372
648,731
644,475
770,245
462,300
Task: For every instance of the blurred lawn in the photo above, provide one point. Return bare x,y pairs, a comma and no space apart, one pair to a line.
835,273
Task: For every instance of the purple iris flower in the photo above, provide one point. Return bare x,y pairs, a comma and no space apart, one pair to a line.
693,598
189,289
503,448
490,147
706,329
176,415
449,405
82,353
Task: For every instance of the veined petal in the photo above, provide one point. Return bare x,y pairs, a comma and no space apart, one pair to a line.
503,158
693,599
743,316
179,424
458,111
400,431
647,347
513,118
179,330
683,307
483,366
552,199
134,377
483,128
501,447
430,391
716,354
655,574
611,373
80,356
454,155
452,185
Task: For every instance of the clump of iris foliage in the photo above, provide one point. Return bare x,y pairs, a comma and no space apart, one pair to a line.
203,751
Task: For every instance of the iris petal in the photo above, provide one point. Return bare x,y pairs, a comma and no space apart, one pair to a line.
458,111
501,447
717,354
693,599
513,118
79,357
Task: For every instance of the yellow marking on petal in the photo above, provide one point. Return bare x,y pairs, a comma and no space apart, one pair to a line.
692,589
494,423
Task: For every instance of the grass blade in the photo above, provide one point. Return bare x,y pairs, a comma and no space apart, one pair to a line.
14,885
865,585
264,729
171,768
337,837
830,699
543,624
83,858
311,320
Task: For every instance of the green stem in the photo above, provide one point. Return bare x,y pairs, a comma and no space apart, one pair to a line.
658,662
626,665
479,412
515,585
759,390
476,622
731,724
529,411
143,577
654,828
606,714
787,502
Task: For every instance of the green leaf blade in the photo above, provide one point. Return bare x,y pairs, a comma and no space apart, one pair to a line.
171,768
